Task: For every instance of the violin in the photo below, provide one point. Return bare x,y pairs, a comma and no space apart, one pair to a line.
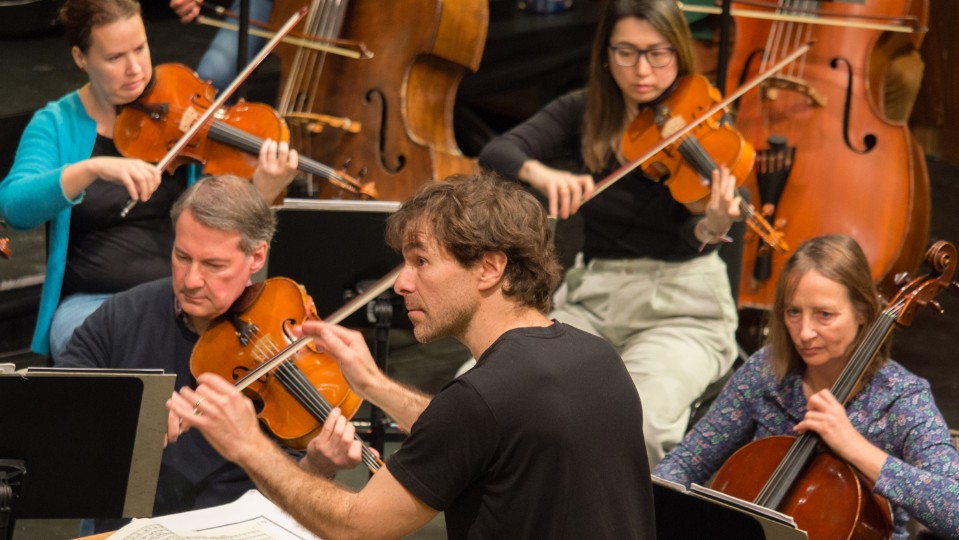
824,495
686,164
295,399
229,144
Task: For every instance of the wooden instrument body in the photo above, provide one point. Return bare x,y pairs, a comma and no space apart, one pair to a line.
877,195
281,304
402,98
830,501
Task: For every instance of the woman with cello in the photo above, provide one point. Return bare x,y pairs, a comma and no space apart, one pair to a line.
68,172
654,285
890,430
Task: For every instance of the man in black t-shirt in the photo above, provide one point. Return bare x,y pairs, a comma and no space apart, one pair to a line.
542,439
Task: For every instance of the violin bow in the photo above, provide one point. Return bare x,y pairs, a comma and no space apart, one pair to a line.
910,26
221,98
359,51
619,173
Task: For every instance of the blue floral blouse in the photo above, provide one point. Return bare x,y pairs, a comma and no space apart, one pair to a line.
896,412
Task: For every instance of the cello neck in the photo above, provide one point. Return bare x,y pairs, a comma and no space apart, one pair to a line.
804,447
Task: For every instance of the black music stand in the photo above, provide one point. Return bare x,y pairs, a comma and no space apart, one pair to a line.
80,445
335,249
713,518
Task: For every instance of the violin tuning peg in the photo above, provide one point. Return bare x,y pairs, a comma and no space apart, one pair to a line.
362,173
347,162
901,278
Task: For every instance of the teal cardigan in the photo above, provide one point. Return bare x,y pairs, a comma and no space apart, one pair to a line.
58,135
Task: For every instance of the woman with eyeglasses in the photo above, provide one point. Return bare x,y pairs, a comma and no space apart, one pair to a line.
653,283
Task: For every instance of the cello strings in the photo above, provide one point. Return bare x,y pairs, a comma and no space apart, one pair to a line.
292,85
797,456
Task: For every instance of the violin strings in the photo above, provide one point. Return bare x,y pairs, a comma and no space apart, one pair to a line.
296,382
251,143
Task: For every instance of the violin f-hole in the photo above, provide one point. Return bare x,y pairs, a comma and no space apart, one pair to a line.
286,326
869,140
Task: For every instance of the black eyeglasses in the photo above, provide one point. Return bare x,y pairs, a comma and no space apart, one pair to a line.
626,56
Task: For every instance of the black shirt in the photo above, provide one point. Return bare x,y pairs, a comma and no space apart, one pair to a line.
108,253
542,439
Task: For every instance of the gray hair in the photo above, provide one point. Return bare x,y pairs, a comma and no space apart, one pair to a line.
229,203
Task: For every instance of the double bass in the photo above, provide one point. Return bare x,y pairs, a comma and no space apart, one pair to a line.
828,160
392,114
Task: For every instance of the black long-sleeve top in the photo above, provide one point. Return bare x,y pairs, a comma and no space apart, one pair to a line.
635,217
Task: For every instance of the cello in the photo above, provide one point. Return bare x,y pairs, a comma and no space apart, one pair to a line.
828,160
393,112
824,494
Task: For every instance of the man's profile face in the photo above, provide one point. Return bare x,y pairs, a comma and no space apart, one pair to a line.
441,295
210,271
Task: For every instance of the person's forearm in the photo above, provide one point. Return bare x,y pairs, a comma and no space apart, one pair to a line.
317,503
76,178
402,403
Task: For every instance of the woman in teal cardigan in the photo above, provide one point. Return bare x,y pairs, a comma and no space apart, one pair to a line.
68,172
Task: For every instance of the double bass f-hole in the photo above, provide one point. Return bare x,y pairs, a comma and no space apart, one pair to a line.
400,159
869,140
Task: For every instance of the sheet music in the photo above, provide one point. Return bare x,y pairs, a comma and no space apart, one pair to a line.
52,370
675,486
249,510
146,529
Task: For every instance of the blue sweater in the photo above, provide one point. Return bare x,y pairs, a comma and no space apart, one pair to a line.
58,135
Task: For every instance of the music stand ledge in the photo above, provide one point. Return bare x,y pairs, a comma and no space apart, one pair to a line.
90,442
683,514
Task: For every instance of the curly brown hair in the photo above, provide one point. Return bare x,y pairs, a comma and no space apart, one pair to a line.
470,215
